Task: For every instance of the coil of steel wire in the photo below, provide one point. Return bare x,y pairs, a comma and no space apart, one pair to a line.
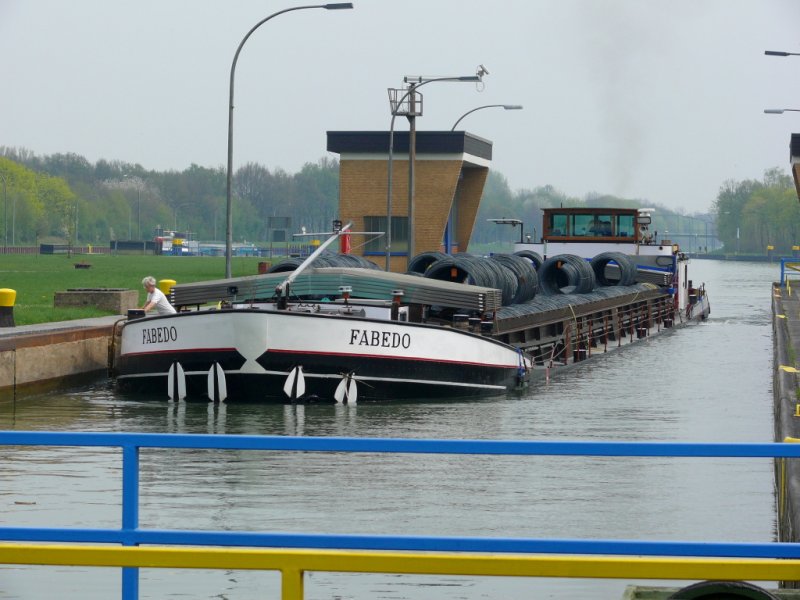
532,256
623,274
524,271
566,274
325,260
423,260
465,268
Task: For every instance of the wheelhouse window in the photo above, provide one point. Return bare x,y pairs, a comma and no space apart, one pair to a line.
626,226
377,245
558,224
591,223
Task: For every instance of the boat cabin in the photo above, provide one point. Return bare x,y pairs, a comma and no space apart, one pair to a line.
628,225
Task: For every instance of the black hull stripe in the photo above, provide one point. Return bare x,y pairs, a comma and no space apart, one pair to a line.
182,350
384,357
232,375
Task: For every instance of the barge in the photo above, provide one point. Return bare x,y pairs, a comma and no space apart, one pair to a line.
337,328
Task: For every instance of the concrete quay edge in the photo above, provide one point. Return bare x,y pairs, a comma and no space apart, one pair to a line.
786,351
45,356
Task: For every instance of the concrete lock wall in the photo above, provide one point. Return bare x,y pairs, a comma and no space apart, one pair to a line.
786,349
33,360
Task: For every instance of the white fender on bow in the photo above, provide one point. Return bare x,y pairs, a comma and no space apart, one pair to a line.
217,385
176,382
347,390
295,385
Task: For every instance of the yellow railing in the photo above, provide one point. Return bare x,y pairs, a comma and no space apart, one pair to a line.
420,555
294,563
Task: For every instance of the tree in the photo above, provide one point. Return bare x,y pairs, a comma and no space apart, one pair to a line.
751,214
59,204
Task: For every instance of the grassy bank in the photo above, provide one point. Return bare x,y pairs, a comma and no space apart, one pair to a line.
36,278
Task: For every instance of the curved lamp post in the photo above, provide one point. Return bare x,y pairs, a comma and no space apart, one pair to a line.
780,53
411,115
137,182
503,106
175,214
779,111
229,223
5,213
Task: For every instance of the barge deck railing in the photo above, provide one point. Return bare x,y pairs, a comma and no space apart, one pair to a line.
294,554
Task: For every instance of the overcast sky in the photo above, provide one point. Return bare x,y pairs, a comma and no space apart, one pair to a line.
651,99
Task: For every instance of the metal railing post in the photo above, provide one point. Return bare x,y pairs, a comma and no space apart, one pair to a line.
291,584
130,516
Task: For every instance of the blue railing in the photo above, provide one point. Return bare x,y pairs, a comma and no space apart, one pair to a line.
788,264
129,534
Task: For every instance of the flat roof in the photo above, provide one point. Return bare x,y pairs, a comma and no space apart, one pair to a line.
428,142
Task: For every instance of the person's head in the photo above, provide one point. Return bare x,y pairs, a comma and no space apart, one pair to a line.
149,283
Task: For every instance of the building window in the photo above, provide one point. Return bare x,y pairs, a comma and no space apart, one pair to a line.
377,245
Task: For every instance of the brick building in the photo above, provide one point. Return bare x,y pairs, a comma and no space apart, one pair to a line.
450,171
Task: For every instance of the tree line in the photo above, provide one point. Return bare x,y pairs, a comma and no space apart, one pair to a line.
65,197
753,215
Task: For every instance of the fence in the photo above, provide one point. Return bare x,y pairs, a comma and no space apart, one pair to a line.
294,554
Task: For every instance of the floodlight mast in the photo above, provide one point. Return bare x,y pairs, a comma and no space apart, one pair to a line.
410,113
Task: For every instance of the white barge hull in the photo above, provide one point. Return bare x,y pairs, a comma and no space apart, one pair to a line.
258,354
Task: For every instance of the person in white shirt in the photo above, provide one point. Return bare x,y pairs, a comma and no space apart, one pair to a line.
156,298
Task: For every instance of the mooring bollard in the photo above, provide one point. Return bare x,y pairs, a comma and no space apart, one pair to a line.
165,285
7,299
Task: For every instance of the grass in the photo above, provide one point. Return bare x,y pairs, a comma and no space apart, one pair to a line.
36,278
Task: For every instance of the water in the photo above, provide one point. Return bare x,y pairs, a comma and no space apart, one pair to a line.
707,383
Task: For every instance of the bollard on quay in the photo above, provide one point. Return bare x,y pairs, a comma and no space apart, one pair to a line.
165,285
7,299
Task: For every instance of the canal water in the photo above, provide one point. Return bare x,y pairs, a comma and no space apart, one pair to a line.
707,383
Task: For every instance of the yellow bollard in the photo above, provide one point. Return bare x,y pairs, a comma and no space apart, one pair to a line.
165,285
7,299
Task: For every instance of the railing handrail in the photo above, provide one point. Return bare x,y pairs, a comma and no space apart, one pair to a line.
401,445
777,555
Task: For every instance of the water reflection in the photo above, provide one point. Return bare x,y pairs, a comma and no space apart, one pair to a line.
705,383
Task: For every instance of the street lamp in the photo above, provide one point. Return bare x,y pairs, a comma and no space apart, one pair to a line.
780,53
411,114
138,212
779,111
503,106
5,213
175,213
229,220
137,181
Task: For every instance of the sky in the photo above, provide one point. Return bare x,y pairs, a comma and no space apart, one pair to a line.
656,100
